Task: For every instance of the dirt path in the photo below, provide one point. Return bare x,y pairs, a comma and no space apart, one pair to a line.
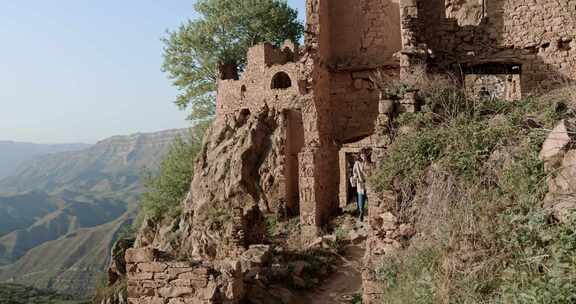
341,286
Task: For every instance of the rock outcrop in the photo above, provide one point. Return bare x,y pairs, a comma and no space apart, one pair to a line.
559,158
238,177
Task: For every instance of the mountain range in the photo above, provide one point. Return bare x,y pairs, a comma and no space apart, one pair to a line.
13,154
61,212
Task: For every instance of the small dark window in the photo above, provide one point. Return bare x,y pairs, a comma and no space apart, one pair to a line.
281,81
243,92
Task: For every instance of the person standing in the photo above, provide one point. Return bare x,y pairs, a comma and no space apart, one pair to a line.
359,176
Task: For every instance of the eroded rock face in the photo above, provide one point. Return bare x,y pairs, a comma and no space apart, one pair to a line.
117,268
238,177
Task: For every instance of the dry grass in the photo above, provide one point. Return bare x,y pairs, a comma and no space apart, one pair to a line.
470,180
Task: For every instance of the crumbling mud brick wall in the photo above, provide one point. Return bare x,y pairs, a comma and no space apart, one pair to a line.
272,77
318,175
540,36
152,279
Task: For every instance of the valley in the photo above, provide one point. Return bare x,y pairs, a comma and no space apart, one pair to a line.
61,212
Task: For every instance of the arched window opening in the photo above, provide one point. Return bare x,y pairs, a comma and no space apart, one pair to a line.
243,92
281,81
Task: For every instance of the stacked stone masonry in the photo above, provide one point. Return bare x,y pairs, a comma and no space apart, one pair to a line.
154,280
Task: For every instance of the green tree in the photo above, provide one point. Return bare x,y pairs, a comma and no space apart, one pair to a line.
165,190
215,44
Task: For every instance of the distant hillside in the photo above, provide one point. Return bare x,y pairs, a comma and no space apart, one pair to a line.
61,212
111,165
68,216
12,154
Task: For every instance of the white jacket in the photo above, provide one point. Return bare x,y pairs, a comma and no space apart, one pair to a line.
359,174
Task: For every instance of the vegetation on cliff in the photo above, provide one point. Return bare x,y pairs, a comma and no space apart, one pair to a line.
468,176
165,189
217,42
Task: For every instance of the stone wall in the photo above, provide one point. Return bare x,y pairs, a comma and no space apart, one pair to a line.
538,35
255,87
152,279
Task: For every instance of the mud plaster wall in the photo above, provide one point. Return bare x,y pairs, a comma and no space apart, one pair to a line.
364,32
540,35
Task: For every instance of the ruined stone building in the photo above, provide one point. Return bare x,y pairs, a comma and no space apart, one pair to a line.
285,131
503,48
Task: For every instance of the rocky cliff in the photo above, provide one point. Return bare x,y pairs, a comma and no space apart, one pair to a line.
238,176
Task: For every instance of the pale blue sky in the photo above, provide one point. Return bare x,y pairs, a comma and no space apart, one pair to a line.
81,71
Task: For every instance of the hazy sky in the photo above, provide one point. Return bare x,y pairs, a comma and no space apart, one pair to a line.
81,71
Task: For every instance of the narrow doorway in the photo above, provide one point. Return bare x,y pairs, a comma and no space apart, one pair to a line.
348,191
294,144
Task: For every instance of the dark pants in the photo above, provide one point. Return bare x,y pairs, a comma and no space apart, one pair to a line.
360,204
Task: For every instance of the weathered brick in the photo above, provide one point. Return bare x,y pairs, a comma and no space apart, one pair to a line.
139,291
152,267
140,276
175,272
175,291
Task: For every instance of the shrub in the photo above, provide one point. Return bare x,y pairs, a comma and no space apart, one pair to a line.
471,179
165,191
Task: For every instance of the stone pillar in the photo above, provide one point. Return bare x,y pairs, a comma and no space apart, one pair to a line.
307,184
414,54
409,22
318,179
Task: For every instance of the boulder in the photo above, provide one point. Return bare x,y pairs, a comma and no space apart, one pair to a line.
554,146
562,187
